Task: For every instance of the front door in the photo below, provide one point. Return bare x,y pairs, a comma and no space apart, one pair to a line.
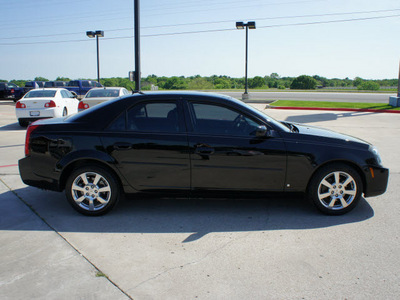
226,154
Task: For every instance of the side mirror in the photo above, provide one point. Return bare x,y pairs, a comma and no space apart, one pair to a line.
261,131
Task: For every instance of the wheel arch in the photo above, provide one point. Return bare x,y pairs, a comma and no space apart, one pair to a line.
68,169
356,167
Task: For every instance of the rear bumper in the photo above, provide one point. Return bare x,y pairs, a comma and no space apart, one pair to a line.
32,179
376,181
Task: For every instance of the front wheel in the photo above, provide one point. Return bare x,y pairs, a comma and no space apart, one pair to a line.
335,189
92,190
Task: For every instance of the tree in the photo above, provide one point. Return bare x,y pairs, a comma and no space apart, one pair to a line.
199,83
41,79
357,81
274,76
256,82
59,78
175,83
304,82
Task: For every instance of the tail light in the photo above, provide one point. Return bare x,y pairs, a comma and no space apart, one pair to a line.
83,105
20,105
51,103
29,131
12,91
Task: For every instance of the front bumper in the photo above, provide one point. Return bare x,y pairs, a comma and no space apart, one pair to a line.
376,181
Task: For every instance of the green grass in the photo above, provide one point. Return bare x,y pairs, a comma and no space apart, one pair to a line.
322,104
101,274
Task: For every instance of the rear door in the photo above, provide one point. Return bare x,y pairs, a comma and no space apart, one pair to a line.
150,146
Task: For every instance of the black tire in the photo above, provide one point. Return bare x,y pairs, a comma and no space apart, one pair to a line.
97,196
335,189
65,112
23,123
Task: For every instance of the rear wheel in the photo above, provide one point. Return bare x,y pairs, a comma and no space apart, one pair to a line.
92,190
336,189
65,112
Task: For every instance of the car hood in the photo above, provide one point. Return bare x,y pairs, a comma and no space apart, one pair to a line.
306,130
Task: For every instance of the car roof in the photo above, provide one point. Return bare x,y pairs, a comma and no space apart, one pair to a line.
108,88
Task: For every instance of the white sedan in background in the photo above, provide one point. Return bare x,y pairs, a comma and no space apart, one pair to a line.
98,95
45,103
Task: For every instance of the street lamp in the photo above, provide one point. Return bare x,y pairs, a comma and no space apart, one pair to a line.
97,34
248,25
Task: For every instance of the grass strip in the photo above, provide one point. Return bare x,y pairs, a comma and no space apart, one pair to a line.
323,104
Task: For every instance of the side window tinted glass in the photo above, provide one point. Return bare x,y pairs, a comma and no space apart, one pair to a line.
154,117
85,83
220,120
118,124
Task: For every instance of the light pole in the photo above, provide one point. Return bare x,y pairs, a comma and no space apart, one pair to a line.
137,73
97,34
248,25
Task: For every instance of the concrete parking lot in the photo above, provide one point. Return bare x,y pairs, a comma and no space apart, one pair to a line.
277,248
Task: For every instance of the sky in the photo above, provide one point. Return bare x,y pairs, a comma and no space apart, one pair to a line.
329,38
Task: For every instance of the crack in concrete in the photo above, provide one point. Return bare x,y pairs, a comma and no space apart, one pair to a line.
189,263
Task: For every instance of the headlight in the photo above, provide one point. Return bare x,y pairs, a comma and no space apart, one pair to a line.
375,151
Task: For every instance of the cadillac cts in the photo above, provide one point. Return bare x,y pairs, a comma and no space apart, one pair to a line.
195,145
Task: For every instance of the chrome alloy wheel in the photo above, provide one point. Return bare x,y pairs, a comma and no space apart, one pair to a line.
91,191
337,190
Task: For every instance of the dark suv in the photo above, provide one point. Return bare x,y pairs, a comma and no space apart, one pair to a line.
10,90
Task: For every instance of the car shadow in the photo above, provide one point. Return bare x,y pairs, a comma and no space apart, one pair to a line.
323,117
13,126
193,216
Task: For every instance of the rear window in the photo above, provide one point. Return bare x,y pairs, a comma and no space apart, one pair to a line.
102,93
40,94
73,83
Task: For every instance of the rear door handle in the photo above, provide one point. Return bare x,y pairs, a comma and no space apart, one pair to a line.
122,146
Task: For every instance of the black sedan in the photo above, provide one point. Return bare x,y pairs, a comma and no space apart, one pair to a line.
195,145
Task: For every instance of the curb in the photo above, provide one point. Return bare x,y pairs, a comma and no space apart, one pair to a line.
336,109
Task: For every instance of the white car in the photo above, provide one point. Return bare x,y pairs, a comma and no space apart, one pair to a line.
99,95
45,103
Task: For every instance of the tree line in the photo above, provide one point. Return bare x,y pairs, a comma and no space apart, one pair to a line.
226,82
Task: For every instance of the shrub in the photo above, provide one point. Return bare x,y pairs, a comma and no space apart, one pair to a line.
369,86
304,82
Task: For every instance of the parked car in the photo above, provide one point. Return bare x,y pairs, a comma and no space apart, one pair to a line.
98,95
81,87
198,145
31,85
45,103
55,84
9,90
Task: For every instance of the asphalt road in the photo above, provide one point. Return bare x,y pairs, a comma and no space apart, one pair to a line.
277,248
317,96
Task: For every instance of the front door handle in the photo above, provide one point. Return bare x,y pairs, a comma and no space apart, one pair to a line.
122,146
204,150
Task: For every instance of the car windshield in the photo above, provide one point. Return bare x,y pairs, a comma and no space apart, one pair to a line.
40,94
102,93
